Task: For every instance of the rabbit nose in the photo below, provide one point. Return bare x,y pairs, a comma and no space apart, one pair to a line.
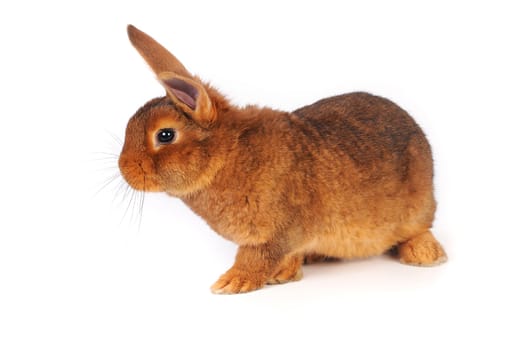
127,164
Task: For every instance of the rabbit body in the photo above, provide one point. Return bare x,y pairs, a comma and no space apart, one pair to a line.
347,177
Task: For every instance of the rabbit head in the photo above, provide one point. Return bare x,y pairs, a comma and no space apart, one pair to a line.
172,143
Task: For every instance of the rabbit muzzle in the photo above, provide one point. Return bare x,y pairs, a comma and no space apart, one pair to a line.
139,173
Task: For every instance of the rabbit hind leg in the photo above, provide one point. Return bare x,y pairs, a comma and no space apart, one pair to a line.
421,250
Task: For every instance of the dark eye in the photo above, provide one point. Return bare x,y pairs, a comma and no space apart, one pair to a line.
165,136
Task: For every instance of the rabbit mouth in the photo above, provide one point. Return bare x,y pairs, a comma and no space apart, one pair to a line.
138,174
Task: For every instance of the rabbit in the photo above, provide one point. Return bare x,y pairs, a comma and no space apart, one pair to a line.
349,176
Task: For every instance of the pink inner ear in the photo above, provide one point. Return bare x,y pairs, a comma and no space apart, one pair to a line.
186,99
183,91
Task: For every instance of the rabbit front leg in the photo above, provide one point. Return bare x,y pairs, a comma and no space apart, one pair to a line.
253,267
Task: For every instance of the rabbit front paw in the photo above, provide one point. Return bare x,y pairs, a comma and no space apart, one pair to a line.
236,281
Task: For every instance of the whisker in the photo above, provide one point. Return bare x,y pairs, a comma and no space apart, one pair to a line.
141,209
107,182
137,201
108,161
107,158
108,167
116,138
124,195
133,217
141,203
121,191
109,154
132,212
130,192
138,208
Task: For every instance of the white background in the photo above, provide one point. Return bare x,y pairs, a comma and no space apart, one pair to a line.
78,271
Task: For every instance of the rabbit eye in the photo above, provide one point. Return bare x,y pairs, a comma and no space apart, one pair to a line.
165,136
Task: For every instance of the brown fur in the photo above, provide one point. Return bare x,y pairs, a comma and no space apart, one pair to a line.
349,176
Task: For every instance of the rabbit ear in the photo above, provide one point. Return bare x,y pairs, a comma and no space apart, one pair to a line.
191,96
184,90
157,57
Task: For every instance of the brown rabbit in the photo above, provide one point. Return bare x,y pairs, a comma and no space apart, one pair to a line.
349,176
